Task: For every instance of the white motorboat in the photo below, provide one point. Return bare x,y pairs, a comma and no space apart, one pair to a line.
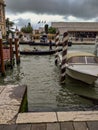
82,66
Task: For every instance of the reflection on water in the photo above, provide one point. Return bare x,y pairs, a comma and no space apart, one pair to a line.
13,76
44,90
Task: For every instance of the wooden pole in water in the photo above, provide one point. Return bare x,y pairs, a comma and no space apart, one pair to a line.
17,51
96,47
56,44
2,56
64,56
11,50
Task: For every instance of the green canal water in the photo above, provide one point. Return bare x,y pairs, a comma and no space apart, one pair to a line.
45,93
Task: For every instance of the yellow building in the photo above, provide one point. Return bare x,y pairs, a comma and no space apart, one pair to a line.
2,17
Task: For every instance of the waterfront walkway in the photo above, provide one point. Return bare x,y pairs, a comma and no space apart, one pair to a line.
11,99
53,126
70,125
81,120
11,118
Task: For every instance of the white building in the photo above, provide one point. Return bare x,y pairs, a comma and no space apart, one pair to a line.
77,29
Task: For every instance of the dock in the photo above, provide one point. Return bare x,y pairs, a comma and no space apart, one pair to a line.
12,118
11,100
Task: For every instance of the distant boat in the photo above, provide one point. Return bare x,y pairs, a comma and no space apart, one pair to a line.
38,52
31,43
41,44
82,66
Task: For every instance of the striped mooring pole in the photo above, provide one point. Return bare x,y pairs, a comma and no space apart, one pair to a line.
64,56
56,44
96,47
17,51
2,56
11,50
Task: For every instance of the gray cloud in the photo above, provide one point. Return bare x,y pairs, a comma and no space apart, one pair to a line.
85,9
22,22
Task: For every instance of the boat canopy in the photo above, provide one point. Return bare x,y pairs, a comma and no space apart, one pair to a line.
78,53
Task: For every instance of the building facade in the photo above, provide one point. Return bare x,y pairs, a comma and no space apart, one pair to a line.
2,17
78,29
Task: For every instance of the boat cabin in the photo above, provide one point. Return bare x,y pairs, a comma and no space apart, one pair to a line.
81,58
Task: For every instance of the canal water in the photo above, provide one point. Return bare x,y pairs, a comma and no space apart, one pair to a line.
45,93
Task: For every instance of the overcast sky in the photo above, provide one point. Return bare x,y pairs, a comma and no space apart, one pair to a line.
24,11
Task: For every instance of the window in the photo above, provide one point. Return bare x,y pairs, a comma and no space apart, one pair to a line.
83,59
91,60
77,59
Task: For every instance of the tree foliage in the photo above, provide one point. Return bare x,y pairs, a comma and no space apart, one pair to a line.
27,29
46,28
9,25
51,30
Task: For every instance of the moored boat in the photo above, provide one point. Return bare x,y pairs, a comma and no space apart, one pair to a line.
46,44
41,44
32,43
38,52
82,66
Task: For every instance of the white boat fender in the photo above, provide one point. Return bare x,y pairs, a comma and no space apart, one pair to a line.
66,65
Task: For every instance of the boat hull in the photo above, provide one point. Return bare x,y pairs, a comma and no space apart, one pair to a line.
47,44
50,52
84,77
41,43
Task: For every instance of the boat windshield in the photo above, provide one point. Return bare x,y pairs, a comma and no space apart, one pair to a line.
83,60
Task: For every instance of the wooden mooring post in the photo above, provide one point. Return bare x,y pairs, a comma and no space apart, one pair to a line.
56,44
11,50
17,51
2,56
64,56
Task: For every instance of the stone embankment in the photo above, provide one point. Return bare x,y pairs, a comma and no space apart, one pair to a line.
11,118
